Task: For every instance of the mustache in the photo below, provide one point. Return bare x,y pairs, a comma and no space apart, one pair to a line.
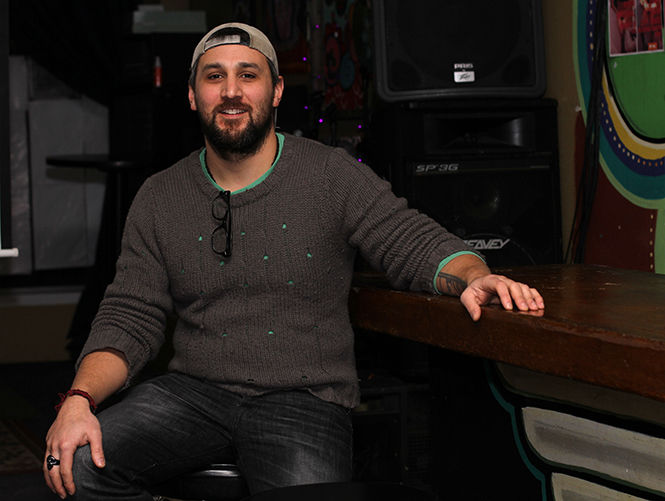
231,103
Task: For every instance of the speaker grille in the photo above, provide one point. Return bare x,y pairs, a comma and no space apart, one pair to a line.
458,48
504,212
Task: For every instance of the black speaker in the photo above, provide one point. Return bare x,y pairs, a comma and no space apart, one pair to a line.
487,171
459,48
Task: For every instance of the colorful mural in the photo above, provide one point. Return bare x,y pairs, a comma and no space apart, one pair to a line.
632,142
347,47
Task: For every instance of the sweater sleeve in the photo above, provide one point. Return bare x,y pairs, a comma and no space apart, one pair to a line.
132,316
402,242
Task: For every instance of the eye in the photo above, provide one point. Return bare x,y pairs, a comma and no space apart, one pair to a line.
248,76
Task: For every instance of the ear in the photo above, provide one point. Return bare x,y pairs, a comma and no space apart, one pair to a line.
192,99
279,90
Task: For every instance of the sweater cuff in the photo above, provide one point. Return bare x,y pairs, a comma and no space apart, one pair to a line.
449,259
135,353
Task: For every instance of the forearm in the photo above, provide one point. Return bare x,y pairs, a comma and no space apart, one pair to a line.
101,374
454,277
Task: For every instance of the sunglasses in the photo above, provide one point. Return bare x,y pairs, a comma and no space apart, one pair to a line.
220,239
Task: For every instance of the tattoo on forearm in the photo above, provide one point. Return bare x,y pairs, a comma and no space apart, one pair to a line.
450,284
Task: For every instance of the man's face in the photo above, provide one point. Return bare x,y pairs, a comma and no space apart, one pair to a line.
234,98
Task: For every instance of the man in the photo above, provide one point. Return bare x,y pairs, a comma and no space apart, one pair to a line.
251,243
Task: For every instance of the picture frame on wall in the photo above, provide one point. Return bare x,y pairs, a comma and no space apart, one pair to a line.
635,26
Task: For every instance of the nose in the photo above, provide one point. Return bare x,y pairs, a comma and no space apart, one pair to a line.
231,87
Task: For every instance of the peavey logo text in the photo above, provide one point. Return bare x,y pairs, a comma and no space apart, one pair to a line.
464,73
424,169
487,244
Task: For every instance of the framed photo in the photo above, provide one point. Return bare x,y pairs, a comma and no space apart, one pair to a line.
635,26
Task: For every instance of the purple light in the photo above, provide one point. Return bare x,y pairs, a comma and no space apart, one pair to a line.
360,160
317,26
304,58
306,107
320,120
360,126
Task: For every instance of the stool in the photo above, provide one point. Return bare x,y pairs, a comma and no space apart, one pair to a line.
217,482
347,491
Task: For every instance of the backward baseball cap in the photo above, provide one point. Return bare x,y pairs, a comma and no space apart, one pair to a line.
236,34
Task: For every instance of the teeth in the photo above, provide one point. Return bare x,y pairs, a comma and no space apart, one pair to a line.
233,112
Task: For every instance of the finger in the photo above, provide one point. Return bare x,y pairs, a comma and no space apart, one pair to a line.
96,450
517,294
504,292
472,304
47,477
538,299
55,478
527,298
66,462
471,307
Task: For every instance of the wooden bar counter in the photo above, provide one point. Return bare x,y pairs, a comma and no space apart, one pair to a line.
601,325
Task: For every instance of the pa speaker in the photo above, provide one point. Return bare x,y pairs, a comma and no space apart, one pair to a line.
486,171
458,48
502,208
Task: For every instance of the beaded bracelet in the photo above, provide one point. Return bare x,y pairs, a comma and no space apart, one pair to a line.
80,393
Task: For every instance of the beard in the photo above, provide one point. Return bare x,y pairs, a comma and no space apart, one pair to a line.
234,144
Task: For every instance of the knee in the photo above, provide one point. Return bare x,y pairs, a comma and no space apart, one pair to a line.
85,473
114,481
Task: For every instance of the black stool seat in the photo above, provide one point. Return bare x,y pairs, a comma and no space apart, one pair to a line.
217,482
345,491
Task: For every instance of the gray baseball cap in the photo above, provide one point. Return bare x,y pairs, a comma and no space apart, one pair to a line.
237,34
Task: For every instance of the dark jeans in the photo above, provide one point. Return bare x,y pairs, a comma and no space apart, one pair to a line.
175,423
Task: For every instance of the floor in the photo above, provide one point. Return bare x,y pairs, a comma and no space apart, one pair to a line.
28,393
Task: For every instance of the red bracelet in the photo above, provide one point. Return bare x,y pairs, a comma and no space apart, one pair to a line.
80,393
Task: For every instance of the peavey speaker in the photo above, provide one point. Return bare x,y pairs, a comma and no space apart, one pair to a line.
488,172
458,48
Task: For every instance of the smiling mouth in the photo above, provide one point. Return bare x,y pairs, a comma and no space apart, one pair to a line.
231,112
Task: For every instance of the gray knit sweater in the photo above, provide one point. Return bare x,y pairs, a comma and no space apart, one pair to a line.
273,315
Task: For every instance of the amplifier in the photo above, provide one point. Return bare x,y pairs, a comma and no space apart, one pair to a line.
487,171
506,208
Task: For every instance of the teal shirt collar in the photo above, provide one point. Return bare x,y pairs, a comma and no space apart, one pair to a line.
280,145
